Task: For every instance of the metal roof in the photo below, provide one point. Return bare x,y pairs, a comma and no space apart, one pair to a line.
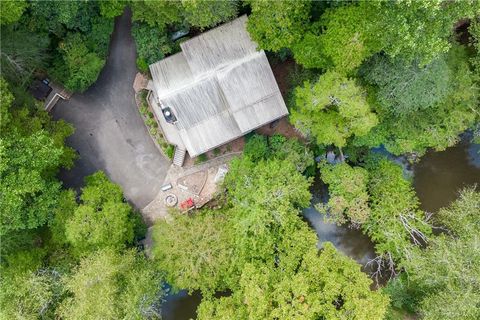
219,87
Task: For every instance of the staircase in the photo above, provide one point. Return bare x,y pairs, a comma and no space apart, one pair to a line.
179,156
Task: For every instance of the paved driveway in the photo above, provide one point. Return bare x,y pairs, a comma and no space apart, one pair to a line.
110,134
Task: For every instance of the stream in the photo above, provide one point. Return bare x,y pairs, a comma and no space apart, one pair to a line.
437,179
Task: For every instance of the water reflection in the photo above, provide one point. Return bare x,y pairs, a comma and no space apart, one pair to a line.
440,175
352,243
181,306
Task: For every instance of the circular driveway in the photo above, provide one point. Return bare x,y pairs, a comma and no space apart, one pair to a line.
109,132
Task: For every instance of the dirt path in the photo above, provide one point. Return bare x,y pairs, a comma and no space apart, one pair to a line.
110,134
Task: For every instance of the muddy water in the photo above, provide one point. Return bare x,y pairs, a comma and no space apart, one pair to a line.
349,241
181,306
437,179
440,175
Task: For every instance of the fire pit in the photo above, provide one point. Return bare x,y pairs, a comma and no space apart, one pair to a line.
170,200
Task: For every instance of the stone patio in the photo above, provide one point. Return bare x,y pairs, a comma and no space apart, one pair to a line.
200,183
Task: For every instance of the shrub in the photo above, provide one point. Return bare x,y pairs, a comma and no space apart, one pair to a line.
201,158
169,151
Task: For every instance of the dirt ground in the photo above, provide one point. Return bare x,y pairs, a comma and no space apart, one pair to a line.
281,71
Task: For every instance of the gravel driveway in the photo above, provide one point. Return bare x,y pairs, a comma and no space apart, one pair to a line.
110,134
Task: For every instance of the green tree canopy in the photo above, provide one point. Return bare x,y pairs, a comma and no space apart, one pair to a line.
332,110
158,13
417,30
103,219
195,252
325,286
153,44
206,13
444,279
395,223
29,294
11,11
339,40
79,67
405,87
22,53
112,8
32,150
437,126
111,285
347,187
277,24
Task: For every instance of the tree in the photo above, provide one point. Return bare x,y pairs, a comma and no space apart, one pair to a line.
265,198
332,110
22,53
79,68
153,44
30,290
206,14
435,127
29,294
64,211
474,31
292,151
157,13
112,8
347,187
274,25
195,252
339,40
444,277
418,30
11,11
103,219
325,286
395,223
32,151
404,87
348,34
112,285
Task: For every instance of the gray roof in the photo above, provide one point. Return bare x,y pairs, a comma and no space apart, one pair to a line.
219,87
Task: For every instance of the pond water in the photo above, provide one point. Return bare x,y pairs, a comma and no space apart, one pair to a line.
181,306
440,175
437,179
351,242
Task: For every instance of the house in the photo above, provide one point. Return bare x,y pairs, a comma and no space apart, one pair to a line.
217,89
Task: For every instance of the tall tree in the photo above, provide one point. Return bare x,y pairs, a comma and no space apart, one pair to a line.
277,24
325,286
339,40
347,187
11,11
395,224
444,278
332,110
266,198
157,13
206,14
111,285
405,87
103,219
437,126
195,252
32,151
22,53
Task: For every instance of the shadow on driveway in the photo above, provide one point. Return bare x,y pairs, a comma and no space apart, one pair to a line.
110,134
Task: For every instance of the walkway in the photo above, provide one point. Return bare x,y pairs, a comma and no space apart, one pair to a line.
110,134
